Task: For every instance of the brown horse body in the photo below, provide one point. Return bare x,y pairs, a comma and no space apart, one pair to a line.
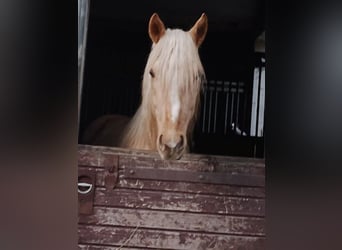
106,131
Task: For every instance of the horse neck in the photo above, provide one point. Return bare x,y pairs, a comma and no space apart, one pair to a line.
141,132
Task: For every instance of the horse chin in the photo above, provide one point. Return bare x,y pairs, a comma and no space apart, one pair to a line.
176,156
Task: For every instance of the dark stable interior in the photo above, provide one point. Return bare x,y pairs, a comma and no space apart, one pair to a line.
118,46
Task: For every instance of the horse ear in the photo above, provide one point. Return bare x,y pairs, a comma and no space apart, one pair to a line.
199,30
156,28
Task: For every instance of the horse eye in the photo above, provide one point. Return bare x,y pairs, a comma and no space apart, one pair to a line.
151,73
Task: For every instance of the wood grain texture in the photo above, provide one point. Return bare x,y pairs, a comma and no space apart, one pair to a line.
186,187
176,221
166,213
96,155
166,239
103,247
196,203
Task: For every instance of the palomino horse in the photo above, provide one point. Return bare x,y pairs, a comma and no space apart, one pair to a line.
171,88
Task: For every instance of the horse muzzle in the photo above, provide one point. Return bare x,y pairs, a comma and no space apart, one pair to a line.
172,148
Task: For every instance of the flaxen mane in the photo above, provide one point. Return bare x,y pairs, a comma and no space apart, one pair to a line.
174,47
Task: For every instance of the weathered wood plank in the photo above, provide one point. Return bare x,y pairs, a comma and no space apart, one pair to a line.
100,159
180,202
94,151
104,247
95,157
165,239
164,214
229,166
178,221
189,176
197,188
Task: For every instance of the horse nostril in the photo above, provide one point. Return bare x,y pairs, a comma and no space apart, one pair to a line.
161,144
181,142
171,146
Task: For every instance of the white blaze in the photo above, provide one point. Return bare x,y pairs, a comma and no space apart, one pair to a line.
175,106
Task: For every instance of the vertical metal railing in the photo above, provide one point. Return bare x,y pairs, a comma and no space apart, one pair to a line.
230,97
258,99
83,16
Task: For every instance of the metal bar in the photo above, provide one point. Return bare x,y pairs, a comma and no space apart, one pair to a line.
226,109
258,100
204,106
215,116
210,104
254,102
237,109
83,17
261,103
232,108
245,112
